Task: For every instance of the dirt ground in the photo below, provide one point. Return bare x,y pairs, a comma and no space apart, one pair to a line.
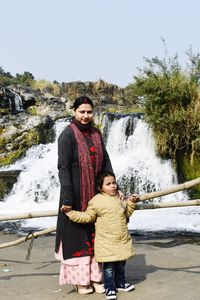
161,270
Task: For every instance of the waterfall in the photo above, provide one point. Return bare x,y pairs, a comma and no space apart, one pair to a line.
130,144
18,102
37,187
14,100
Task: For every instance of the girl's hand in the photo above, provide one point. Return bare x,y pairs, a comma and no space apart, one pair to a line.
120,195
65,208
134,198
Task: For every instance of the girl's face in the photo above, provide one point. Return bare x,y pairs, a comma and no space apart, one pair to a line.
84,114
109,186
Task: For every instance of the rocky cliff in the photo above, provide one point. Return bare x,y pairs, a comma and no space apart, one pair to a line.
28,114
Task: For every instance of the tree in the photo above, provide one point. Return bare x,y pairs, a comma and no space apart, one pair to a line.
25,79
170,97
5,78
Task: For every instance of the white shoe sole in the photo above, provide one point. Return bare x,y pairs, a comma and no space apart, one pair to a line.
131,288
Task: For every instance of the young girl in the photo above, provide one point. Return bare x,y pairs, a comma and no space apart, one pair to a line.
113,243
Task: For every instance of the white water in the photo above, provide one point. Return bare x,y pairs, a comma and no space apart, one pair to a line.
134,161
135,157
18,102
37,188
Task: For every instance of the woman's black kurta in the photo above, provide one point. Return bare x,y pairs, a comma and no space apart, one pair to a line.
77,239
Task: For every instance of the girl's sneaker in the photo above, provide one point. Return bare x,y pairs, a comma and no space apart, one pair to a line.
127,287
111,294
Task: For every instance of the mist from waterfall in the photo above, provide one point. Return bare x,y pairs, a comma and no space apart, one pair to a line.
131,147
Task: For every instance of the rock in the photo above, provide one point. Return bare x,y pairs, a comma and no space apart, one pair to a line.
28,114
7,179
18,133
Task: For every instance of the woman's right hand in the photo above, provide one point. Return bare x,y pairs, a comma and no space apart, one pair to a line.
65,208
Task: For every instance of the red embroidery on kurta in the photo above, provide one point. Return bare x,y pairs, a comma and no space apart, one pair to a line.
92,149
88,251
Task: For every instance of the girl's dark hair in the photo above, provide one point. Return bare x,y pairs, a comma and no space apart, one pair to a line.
82,100
100,179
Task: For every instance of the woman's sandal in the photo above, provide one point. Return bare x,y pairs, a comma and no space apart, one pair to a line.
81,289
98,287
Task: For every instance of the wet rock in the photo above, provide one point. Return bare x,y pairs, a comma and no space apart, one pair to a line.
7,180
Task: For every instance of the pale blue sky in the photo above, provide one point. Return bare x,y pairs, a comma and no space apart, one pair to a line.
85,40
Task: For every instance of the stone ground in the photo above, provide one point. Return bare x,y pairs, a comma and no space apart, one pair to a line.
161,270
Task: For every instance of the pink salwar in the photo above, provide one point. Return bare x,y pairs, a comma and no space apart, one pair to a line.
78,270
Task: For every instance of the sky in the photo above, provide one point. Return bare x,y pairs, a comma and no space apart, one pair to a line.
88,40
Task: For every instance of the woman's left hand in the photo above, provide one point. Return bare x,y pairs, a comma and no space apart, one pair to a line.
65,208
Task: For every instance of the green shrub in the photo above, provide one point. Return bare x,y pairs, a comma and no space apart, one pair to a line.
171,100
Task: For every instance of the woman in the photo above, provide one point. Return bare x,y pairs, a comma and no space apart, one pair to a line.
81,158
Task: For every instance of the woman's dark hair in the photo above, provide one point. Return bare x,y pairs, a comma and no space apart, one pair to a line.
82,100
100,179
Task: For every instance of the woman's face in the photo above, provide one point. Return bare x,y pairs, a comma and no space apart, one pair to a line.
84,114
109,186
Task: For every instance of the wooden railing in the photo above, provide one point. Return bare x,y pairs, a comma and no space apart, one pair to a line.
139,206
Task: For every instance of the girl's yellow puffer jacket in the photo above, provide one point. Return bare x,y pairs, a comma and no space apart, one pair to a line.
112,239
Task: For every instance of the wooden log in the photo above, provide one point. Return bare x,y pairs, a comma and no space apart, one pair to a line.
28,237
171,190
168,204
177,188
174,189
53,213
29,215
